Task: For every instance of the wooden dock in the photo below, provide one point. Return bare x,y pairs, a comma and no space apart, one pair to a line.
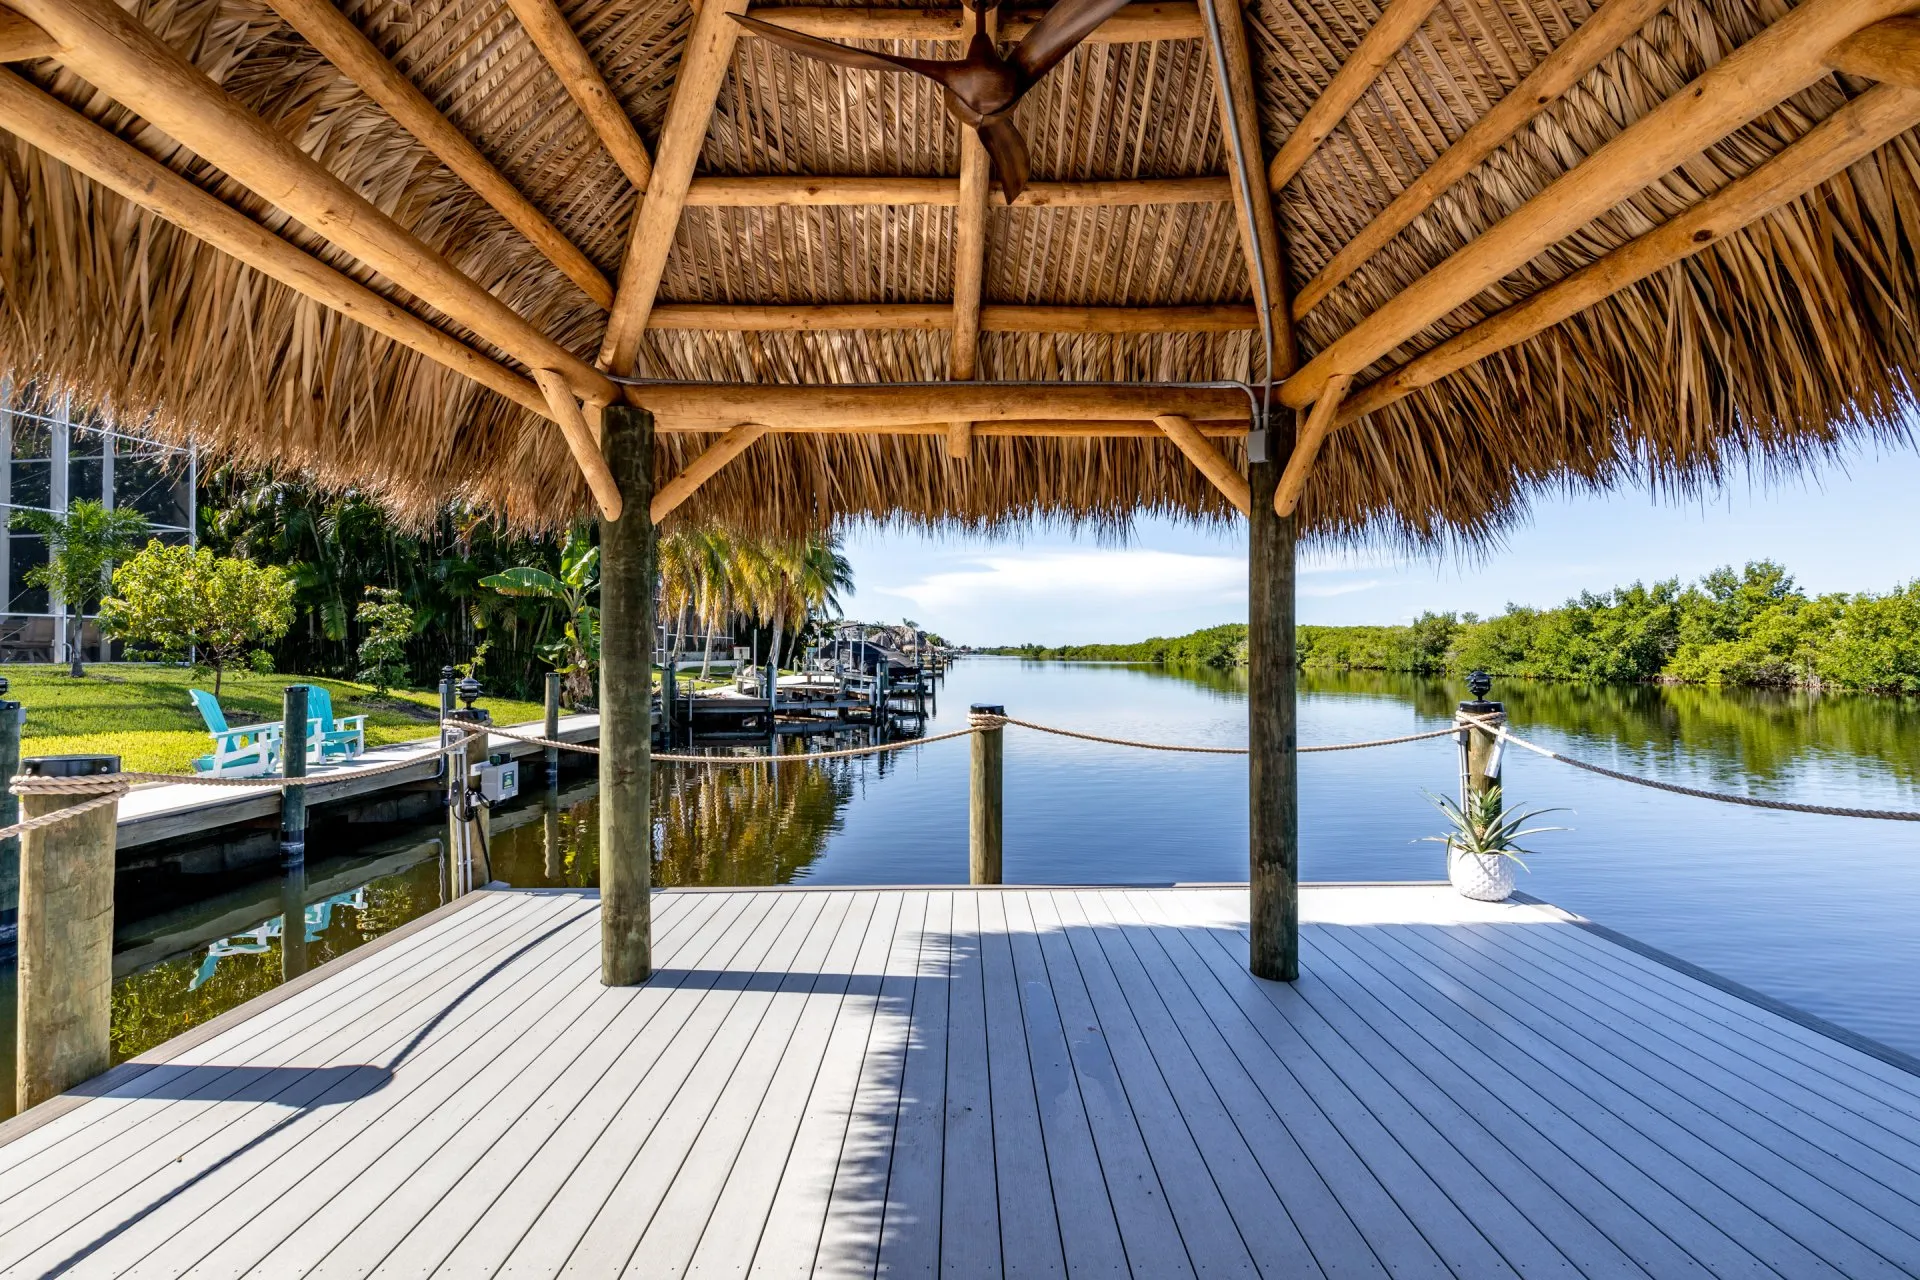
168,811
982,1082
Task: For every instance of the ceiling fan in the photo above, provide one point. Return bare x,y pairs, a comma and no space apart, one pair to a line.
983,88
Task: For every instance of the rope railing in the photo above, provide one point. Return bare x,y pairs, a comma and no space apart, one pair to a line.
1497,726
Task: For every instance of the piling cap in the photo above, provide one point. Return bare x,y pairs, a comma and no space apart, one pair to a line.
987,709
68,766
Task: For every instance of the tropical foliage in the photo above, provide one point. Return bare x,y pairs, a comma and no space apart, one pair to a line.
386,626
81,543
1484,828
1752,626
714,581
180,600
576,653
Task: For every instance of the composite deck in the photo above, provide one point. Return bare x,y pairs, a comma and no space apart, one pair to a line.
1025,1082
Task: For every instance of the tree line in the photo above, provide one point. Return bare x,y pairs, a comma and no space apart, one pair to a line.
1752,626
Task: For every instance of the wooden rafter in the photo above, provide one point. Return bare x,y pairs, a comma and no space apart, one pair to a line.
703,65
1843,138
1780,61
969,268
1135,24
1887,51
704,468
934,316
69,137
1604,31
1002,429
722,405
1376,49
803,191
1306,446
560,45
1253,204
354,55
21,40
105,45
581,439
1211,462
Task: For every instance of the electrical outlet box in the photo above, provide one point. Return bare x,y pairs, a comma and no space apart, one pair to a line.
497,781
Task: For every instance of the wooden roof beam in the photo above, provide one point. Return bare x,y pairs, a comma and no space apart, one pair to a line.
1306,446
812,192
937,316
1239,101
581,439
1212,464
69,137
704,468
1376,49
722,406
703,66
354,55
1886,51
969,267
1604,31
1135,24
105,45
580,76
21,40
1780,61
1844,138
1006,429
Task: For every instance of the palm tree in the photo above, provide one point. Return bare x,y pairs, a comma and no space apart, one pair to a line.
577,653
82,543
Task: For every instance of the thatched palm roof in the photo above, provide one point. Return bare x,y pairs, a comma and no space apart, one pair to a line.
1780,339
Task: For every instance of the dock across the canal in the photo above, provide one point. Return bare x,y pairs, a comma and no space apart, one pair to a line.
978,1082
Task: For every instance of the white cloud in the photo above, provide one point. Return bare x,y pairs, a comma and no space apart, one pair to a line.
1093,577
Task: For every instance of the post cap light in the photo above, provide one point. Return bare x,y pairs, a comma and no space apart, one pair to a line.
1479,684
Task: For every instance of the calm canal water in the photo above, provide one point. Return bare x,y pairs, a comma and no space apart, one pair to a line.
1823,913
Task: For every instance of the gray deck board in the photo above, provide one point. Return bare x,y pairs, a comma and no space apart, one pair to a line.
1020,1082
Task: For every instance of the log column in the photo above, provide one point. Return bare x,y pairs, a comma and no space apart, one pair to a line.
627,568
1274,816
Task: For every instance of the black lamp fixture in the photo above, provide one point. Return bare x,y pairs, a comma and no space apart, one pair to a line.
1479,684
469,691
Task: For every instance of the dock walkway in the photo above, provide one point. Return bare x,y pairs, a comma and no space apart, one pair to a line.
983,1082
166,811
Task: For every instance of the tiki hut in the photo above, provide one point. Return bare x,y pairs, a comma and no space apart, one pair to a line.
1370,272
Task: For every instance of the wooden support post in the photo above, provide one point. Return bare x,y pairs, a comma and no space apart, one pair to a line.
1273,871
66,936
293,764
626,703
985,800
11,720
1479,756
552,727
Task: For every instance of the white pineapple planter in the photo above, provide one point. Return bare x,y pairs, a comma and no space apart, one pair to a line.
1484,877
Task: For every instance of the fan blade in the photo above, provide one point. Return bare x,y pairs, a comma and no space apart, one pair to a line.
828,51
1054,36
1008,151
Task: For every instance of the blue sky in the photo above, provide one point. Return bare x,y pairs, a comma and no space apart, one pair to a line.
1846,525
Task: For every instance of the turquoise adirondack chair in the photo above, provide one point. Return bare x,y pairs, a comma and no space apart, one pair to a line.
251,751
327,737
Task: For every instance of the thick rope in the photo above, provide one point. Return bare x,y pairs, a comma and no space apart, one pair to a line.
1752,802
807,757
61,815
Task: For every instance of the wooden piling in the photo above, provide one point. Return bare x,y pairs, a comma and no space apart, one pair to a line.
985,800
293,764
1272,778
66,937
551,729
626,702
1479,760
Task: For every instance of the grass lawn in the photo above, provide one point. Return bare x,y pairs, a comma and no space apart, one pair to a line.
142,714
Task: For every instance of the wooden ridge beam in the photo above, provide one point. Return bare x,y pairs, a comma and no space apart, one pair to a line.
936,316
1604,31
969,265
21,40
703,65
1306,446
105,45
580,76
812,192
703,468
1005,429
1886,51
1238,98
722,406
1363,66
1842,139
1135,24
1780,61
354,55
45,123
1208,459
